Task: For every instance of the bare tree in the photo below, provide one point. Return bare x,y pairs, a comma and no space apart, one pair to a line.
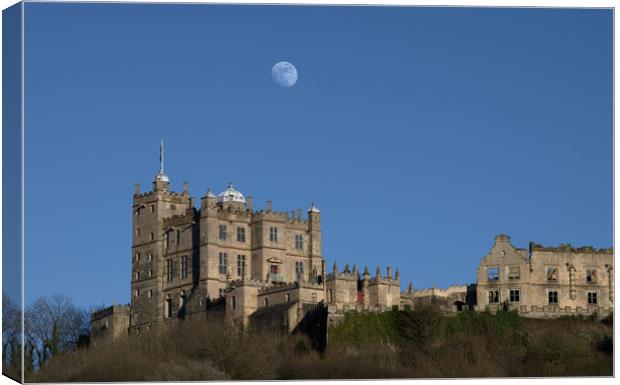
54,324
11,335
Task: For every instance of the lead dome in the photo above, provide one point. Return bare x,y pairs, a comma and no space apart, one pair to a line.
230,195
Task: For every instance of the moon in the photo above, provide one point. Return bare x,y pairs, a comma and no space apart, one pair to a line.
284,74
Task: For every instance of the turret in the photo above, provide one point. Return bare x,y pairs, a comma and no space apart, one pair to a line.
208,200
366,274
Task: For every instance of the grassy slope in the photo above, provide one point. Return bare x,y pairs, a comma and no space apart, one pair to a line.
398,344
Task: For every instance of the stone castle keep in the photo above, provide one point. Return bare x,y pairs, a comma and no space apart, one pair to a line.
265,269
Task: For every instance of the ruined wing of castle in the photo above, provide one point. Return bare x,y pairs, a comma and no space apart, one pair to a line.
267,268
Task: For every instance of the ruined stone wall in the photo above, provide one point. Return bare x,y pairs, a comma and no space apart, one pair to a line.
548,281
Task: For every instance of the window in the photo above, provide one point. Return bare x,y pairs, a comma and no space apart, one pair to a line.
168,306
273,234
137,293
494,296
223,232
287,297
233,302
592,298
266,301
150,293
299,269
223,263
178,237
151,236
330,295
152,208
514,272
514,295
240,234
137,275
493,273
151,273
137,232
182,299
222,292
552,273
313,297
553,297
184,266
591,275
150,258
137,256
299,241
169,270
241,265
273,269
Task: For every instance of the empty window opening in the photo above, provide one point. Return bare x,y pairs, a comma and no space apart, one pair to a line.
493,273
552,273
494,296
591,275
514,272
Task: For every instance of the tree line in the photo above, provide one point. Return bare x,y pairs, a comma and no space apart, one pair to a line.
52,325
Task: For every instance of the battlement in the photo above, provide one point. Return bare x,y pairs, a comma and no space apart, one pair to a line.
567,248
346,274
440,292
265,286
109,311
277,216
354,274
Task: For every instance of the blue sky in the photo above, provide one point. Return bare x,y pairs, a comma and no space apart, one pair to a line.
420,133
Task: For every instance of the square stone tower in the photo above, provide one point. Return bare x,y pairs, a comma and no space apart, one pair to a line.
149,211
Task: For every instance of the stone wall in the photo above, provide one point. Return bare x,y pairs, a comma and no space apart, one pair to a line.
547,281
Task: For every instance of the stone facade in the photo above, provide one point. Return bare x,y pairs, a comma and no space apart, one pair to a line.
109,323
452,299
546,281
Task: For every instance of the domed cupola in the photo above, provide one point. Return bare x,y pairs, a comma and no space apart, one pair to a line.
230,195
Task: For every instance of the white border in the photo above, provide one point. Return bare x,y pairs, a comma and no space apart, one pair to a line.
497,3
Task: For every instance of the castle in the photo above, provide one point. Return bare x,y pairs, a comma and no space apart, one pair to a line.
266,269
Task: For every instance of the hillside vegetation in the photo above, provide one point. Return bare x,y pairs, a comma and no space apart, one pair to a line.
396,344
